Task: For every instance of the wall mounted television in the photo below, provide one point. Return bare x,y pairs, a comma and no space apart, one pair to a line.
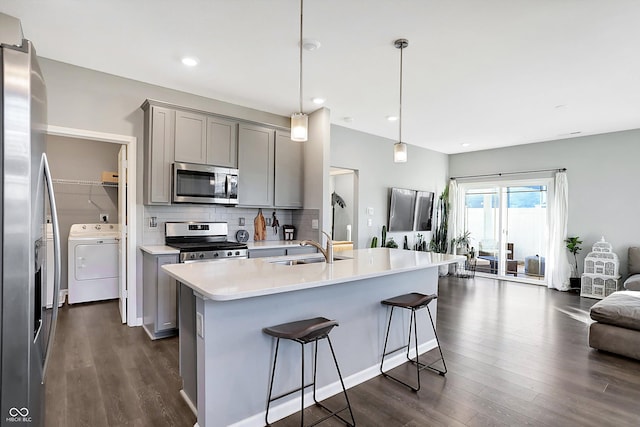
410,210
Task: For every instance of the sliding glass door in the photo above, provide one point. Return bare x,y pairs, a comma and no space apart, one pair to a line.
508,225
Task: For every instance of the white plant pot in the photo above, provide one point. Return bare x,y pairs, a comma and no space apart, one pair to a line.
443,270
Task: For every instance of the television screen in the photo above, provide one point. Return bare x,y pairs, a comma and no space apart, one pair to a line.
424,210
401,209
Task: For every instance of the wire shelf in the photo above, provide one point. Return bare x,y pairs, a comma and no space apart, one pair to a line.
84,182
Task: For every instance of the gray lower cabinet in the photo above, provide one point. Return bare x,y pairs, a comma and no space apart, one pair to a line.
256,166
159,134
300,250
188,343
263,253
289,171
294,250
159,302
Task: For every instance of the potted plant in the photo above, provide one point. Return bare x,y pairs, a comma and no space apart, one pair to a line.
439,242
573,245
461,243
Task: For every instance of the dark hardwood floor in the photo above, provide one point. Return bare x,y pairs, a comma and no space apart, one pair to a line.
104,373
517,355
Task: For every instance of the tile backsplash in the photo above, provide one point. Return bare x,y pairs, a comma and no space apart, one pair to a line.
301,219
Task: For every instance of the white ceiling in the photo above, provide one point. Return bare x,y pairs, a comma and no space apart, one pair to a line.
488,73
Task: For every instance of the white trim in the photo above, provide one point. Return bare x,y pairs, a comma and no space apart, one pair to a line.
505,182
189,402
292,406
132,149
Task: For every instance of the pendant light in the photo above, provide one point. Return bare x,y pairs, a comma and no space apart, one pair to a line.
400,148
299,120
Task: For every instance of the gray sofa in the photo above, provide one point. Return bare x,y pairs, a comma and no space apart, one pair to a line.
617,317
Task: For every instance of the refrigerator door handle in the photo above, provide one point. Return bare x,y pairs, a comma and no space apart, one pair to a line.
57,262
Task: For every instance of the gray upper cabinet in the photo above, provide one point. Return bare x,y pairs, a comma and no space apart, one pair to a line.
222,142
159,124
256,164
289,171
191,137
271,171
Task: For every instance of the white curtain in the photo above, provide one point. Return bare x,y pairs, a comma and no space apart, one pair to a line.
456,213
558,266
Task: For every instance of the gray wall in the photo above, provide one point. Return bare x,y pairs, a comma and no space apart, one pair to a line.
603,176
372,157
77,159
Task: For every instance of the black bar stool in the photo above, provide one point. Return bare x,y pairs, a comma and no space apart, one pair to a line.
305,332
413,302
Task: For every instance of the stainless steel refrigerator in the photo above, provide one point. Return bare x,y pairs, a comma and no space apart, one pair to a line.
26,196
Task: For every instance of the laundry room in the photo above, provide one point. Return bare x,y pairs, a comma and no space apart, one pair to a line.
85,178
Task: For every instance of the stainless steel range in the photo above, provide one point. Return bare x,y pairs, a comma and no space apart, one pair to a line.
202,241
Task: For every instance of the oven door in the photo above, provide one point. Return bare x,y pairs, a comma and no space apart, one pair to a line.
200,184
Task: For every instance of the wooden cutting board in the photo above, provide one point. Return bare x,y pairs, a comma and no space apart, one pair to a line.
260,227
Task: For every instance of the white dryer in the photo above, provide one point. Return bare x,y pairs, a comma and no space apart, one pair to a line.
93,262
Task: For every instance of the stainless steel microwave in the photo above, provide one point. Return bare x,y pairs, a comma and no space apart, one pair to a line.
204,184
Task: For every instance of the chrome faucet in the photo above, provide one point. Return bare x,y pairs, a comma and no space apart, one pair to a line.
328,252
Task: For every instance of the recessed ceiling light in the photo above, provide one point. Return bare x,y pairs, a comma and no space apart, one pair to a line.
465,144
348,119
392,118
310,44
578,132
318,101
190,61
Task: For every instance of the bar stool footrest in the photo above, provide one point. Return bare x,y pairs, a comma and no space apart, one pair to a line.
422,366
331,414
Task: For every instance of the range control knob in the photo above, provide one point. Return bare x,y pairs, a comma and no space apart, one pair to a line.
237,253
192,256
216,254
229,253
201,255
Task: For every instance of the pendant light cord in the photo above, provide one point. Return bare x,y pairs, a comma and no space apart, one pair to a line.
300,79
400,115
401,44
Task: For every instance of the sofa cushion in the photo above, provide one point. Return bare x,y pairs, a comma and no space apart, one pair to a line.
619,309
634,260
633,283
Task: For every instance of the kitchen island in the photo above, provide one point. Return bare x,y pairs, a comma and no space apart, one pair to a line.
224,306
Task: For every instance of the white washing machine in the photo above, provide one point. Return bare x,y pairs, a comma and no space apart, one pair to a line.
93,262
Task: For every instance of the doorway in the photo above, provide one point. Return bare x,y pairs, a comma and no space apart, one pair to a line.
120,195
344,222
508,222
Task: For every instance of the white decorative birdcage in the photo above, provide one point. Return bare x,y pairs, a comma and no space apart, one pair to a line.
601,266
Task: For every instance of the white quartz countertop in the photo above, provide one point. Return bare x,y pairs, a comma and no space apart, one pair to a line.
159,250
244,278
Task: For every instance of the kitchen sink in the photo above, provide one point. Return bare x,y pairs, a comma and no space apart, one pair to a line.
310,260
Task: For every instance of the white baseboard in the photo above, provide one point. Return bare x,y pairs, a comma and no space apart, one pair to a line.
137,322
292,406
189,403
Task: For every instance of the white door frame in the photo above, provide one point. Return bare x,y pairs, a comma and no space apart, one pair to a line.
513,182
131,143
